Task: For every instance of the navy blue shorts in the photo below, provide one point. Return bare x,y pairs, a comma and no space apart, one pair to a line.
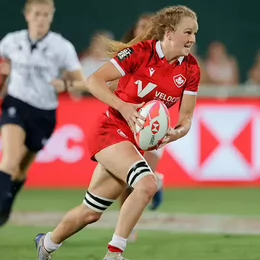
38,124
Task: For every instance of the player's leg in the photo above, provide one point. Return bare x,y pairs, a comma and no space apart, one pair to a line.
124,195
103,190
39,126
121,164
153,158
13,137
122,199
128,165
18,181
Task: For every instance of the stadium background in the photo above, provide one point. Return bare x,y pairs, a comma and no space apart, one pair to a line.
212,176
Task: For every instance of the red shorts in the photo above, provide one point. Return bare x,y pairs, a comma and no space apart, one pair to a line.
107,131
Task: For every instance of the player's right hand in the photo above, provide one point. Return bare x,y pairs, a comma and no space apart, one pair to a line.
59,86
130,113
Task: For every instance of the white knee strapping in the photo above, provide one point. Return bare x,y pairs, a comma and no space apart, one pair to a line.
97,203
138,171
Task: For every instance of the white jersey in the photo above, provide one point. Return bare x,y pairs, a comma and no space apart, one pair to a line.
35,65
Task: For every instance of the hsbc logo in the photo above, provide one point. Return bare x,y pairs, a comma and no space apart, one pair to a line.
223,144
155,127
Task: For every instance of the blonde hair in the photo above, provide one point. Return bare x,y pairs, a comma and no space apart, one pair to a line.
28,3
167,18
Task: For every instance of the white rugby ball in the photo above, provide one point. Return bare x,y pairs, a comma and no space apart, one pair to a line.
155,127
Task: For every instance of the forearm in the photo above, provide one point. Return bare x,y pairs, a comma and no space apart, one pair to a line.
98,88
63,85
183,127
75,80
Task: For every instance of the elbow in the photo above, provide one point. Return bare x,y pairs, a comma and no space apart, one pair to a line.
93,81
188,128
188,124
183,127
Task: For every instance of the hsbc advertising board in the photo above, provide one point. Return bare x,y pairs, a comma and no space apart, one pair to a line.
222,148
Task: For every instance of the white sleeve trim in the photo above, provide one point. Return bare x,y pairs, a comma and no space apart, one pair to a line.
114,62
188,92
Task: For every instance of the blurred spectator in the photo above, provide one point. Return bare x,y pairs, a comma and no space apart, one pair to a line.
142,25
95,56
204,76
221,68
254,72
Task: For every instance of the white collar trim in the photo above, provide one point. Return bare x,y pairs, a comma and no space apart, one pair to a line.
181,59
160,53
159,50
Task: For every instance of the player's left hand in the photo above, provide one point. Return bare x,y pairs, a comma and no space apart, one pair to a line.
171,136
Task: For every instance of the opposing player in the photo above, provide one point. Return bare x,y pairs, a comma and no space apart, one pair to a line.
156,65
37,56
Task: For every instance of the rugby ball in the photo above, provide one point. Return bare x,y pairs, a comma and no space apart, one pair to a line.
155,127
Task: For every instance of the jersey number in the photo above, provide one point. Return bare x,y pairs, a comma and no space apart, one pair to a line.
143,91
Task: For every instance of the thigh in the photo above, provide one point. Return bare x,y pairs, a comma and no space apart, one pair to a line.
13,132
153,158
122,160
107,132
104,184
13,138
27,161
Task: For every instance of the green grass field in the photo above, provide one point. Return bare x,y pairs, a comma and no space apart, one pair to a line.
90,244
223,201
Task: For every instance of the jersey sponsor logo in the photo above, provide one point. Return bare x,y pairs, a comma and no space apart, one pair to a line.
179,80
143,91
124,54
169,101
151,70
